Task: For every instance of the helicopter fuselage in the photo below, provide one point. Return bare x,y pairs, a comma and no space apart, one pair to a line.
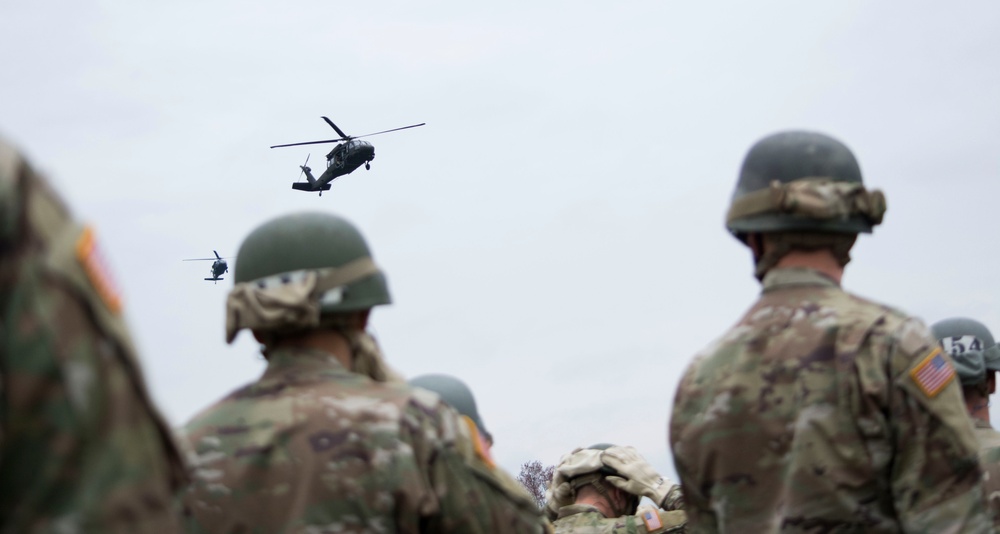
345,158
219,267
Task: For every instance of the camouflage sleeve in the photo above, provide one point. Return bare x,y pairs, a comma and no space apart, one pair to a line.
936,478
472,498
699,514
990,460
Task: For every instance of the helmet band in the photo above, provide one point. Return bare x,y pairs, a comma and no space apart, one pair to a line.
813,198
292,300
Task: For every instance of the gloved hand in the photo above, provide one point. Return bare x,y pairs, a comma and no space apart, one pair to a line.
576,463
639,478
558,494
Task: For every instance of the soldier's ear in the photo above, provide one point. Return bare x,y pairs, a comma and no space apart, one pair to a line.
756,244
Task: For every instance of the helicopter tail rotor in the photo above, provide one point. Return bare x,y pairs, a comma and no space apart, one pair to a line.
305,166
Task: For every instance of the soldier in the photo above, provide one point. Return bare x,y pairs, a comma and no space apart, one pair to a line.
82,448
597,491
976,357
328,440
456,394
820,410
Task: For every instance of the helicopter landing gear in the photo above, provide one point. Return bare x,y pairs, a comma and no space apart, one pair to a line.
368,166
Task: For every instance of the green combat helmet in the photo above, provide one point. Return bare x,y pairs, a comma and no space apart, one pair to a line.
800,181
971,346
312,240
456,394
294,269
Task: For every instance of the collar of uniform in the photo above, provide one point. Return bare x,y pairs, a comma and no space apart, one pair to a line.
979,423
796,276
282,360
574,509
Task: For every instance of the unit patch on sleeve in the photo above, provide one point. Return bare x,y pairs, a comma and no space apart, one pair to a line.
933,373
479,443
88,253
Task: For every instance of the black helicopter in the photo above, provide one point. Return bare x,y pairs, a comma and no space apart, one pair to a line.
345,158
219,266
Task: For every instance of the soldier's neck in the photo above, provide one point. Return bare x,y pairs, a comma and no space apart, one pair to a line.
585,495
979,408
329,341
817,260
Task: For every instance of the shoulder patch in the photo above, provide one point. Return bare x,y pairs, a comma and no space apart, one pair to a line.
89,254
652,520
933,373
478,442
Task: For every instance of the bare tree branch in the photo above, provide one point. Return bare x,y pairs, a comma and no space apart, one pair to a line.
535,478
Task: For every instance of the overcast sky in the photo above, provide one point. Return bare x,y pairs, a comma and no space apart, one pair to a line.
554,235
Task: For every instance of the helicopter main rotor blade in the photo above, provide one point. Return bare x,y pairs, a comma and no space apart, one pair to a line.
313,142
200,259
392,130
334,126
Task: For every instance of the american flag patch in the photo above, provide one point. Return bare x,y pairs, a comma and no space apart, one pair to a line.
652,520
92,260
933,373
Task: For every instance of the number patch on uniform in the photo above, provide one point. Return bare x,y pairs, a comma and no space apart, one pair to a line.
933,373
956,345
88,253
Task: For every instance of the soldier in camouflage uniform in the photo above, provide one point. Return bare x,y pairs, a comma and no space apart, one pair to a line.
329,439
457,394
820,411
976,359
82,448
597,491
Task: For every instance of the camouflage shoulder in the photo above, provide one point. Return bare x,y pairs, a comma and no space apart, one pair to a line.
502,495
27,200
899,342
867,313
29,206
11,165
921,367
469,445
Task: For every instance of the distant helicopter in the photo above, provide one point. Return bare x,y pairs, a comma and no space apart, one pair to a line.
219,266
343,159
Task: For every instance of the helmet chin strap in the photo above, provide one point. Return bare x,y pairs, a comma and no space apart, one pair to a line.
366,357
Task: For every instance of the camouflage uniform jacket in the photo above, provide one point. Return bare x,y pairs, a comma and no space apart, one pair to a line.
824,412
312,447
82,448
586,519
989,457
